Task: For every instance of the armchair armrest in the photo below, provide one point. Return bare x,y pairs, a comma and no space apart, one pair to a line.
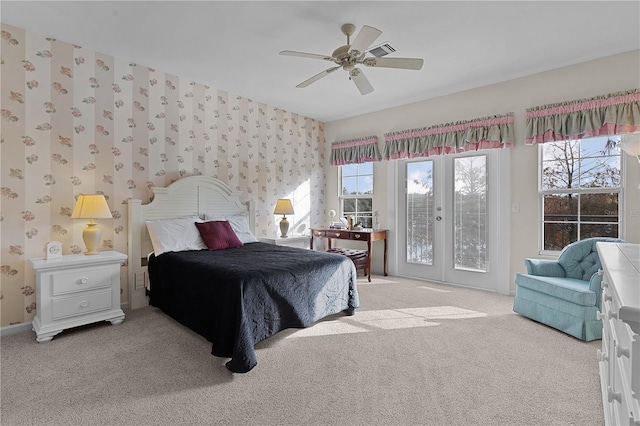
544,268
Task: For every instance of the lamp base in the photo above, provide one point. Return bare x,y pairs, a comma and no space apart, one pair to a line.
91,237
284,227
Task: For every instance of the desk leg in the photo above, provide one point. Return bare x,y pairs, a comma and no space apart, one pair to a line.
385,256
369,256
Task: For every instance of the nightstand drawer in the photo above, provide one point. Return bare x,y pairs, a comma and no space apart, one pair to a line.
81,280
81,304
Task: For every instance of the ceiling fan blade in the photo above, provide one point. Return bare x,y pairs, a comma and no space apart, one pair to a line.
316,77
403,63
361,81
364,39
305,55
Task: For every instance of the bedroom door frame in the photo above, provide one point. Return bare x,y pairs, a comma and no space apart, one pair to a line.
498,170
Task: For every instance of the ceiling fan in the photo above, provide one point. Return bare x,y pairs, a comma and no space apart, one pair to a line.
350,55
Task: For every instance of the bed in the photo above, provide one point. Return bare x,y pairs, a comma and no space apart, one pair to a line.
234,297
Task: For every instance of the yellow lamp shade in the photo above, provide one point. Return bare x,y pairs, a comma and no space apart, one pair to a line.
283,206
91,207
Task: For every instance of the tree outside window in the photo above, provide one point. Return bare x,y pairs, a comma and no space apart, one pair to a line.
580,190
357,191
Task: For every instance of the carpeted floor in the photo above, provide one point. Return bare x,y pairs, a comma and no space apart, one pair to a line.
415,353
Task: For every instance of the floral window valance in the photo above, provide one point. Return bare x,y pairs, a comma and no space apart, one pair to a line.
360,150
472,135
613,114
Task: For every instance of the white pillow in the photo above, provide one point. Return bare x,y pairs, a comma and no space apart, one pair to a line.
179,234
239,223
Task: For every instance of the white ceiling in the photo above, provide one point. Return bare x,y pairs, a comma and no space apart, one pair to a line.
234,46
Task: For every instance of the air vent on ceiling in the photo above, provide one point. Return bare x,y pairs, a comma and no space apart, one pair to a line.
381,50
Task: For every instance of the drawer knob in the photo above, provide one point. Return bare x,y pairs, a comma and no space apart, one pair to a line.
357,235
613,395
84,303
84,280
620,351
337,234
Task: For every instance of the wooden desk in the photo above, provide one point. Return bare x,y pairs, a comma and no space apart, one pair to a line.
362,235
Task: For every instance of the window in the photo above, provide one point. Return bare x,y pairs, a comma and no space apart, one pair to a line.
357,191
580,190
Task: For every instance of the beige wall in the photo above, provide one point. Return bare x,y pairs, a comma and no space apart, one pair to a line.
594,78
76,121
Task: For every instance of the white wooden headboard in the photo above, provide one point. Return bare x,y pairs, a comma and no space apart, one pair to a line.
189,196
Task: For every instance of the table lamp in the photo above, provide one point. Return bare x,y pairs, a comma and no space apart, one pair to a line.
284,207
91,207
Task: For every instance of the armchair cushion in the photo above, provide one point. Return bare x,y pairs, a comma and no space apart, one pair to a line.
569,289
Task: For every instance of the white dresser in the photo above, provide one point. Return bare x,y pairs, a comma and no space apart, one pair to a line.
620,354
76,290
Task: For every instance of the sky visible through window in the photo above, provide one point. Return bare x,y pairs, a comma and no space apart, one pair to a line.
357,179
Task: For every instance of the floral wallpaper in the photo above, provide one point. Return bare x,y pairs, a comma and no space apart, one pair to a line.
76,121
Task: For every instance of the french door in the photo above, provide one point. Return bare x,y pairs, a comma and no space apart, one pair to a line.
447,220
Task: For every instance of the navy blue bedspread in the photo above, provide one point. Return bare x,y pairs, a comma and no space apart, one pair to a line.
238,297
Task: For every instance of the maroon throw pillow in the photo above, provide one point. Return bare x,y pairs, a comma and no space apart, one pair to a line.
218,234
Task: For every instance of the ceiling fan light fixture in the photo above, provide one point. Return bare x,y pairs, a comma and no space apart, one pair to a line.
340,54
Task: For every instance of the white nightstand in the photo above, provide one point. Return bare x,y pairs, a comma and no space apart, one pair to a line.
75,290
299,241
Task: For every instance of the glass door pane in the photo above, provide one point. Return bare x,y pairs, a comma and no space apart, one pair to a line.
420,201
470,213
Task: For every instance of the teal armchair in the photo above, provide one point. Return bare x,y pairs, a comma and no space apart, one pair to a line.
564,294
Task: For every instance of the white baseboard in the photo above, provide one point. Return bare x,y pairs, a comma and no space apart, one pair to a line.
26,326
15,329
